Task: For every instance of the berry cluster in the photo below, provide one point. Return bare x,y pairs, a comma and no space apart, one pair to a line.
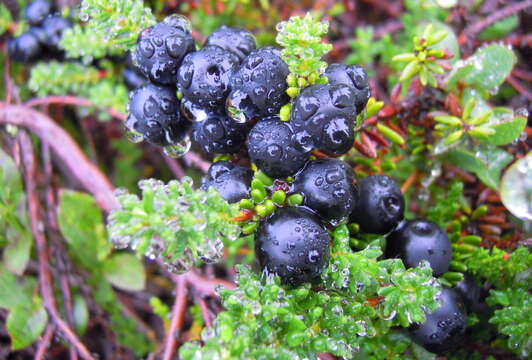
44,35
231,97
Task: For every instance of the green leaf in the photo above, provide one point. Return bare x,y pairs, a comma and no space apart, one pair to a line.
506,132
449,42
489,67
81,223
13,292
80,312
25,324
17,251
125,271
486,163
500,29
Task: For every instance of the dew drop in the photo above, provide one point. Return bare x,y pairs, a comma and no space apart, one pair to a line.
178,149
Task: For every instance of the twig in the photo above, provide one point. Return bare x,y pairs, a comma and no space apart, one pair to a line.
7,77
178,317
92,179
72,100
520,88
472,31
44,343
409,181
194,159
174,166
45,279
207,287
204,311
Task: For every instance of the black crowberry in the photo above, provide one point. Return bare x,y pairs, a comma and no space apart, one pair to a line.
25,48
293,245
203,78
351,75
324,117
443,329
161,48
417,240
380,205
471,293
53,27
154,113
272,148
36,11
239,41
218,134
233,182
328,188
258,86
133,78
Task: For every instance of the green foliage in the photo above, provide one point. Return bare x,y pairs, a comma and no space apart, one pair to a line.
446,203
301,39
15,236
117,23
81,42
125,271
500,29
5,18
514,319
174,222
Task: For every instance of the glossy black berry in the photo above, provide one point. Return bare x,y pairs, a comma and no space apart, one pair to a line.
161,48
239,41
218,134
351,75
325,116
133,78
25,48
53,27
417,240
233,182
36,11
471,293
154,113
272,148
443,329
327,186
258,86
380,205
203,77
293,245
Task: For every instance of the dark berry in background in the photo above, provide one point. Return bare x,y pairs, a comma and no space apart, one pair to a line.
154,112
233,182
272,148
218,134
471,293
417,240
443,329
36,11
53,27
327,186
353,76
133,78
239,41
292,244
161,48
380,205
25,48
203,77
326,114
258,86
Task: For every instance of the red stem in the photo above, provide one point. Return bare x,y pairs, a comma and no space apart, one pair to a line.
178,317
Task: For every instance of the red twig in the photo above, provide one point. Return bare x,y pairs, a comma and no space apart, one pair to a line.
472,31
174,166
520,88
67,151
72,100
194,159
44,343
204,312
45,279
207,287
178,317
7,77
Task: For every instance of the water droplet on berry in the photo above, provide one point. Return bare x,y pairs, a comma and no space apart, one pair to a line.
178,21
178,149
193,112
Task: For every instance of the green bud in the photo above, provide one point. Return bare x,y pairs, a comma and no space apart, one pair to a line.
437,53
373,108
434,67
265,179
257,196
285,111
291,80
295,199
179,95
249,228
390,134
458,266
292,91
464,248
448,120
261,210
388,165
423,75
454,137
279,197
410,70
246,204
472,240
223,157
353,228
481,119
270,206
436,38
256,184
407,57
453,277
427,33
481,132
313,77
301,82
479,212
468,108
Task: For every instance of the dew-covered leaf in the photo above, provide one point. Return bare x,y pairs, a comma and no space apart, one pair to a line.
125,271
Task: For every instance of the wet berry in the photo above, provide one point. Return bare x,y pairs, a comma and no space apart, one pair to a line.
25,48
203,77
154,113
133,78
239,41
258,86
292,244
218,134
53,27
380,205
36,11
233,182
351,75
327,186
471,293
443,329
272,148
417,240
161,48
325,115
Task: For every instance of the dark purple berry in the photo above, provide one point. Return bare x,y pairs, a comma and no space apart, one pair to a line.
292,244
26,48
218,134
53,27
233,182
36,11
239,41
351,75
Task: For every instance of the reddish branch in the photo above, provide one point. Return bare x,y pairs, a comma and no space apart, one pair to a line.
178,317
45,278
472,31
65,148
44,343
72,100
